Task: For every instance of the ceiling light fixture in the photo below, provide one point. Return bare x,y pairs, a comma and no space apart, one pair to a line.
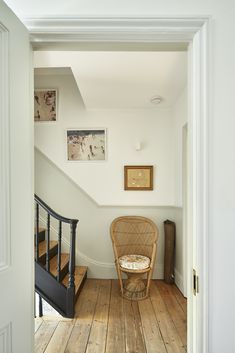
156,100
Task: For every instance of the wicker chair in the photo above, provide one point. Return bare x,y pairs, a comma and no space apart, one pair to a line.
134,241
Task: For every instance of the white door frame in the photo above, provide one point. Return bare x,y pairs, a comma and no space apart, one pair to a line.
185,188
159,33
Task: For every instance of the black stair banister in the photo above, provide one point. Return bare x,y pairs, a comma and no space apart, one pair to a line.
52,212
43,262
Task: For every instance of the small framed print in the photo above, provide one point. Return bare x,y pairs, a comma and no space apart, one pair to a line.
45,105
138,177
86,144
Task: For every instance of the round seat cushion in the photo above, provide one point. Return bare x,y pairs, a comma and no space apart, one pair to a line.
134,262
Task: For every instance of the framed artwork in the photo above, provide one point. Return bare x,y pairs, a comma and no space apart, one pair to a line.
138,177
45,105
86,144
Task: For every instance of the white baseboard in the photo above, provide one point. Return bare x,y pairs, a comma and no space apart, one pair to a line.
179,281
102,271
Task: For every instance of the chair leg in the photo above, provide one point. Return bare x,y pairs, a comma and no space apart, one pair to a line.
149,277
119,277
150,274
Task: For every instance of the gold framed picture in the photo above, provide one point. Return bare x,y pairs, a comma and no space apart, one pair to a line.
138,177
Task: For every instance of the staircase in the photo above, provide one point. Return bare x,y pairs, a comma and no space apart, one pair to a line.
57,279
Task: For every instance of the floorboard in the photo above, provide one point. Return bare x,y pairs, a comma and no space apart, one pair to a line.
97,339
180,298
116,327
60,338
106,323
44,335
175,311
37,323
153,338
85,309
134,335
167,328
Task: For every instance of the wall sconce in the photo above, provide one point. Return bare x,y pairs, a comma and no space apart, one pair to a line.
138,146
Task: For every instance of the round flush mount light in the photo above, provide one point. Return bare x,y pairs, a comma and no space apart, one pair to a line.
156,100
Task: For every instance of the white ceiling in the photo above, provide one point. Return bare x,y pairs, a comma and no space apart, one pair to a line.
35,8
111,79
120,80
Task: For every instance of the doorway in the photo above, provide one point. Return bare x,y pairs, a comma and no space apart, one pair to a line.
169,69
193,34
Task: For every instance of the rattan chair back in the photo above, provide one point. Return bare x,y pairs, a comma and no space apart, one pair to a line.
133,235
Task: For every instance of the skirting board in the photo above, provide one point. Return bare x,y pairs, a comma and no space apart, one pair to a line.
96,271
179,281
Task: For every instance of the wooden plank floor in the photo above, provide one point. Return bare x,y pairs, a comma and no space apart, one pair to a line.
106,323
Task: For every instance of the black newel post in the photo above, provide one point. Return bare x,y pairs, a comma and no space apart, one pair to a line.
71,287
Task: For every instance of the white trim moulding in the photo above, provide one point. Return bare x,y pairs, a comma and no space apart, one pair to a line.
4,152
135,30
6,338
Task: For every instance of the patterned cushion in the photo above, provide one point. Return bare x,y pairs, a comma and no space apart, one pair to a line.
134,262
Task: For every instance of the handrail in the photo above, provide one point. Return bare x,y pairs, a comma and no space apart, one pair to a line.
53,213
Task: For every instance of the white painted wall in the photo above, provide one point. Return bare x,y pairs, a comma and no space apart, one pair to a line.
103,180
160,133
94,247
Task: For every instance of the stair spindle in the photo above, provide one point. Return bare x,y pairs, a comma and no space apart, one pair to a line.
40,306
59,251
48,244
37,231
73,226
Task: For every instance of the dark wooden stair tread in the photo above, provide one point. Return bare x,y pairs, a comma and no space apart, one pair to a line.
42,246
54,263
80,274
